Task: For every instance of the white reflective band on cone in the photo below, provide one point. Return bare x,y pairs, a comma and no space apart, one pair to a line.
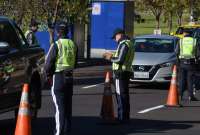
174,75
24,97
24,111
173,81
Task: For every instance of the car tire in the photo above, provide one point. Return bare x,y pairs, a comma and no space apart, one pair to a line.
35,96
16,113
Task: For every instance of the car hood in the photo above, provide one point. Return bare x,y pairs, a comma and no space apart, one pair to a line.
153,58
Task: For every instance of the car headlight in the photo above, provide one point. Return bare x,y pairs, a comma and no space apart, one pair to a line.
168,64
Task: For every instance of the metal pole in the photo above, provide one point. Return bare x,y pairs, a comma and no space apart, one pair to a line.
191,10
134,18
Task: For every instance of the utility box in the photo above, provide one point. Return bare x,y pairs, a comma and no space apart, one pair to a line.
106,17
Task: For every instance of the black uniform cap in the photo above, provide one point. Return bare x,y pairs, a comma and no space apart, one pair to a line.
117,31
34,22
62,27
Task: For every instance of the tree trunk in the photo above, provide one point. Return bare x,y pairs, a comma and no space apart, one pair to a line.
179,14
158,21
19,19
180,20
170,21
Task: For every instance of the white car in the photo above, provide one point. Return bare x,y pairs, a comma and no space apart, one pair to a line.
154,58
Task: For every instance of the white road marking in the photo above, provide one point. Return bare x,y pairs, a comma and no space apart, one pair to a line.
91,86
151,109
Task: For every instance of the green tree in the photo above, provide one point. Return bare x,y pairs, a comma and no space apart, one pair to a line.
169,9
155,6
23,10
174,7
74,11
194,8
180,5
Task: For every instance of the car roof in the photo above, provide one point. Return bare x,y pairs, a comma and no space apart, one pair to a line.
7,20
157,36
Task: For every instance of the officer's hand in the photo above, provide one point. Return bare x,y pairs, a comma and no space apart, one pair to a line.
107,55
51,31
49,80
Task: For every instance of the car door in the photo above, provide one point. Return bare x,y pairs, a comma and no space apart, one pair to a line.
12,65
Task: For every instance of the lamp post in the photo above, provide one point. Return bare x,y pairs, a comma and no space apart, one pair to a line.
191,11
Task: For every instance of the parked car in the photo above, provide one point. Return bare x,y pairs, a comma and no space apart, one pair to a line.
154,58
19,64
189,28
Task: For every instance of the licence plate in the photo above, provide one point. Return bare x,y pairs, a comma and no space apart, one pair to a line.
141,75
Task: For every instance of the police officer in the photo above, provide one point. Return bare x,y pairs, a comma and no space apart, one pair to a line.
122,60
60,63
186,53
197,75
30,34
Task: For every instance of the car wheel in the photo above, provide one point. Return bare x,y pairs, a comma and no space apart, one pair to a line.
16,113
33,113
35,98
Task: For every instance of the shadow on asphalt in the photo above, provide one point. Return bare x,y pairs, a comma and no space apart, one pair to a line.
155,86
88,81
93,126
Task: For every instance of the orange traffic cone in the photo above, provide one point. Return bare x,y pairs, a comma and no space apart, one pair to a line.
173,100
23,126
107,108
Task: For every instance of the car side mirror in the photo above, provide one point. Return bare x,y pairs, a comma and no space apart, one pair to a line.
4,47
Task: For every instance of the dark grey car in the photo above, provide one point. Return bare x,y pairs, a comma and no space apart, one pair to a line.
19,64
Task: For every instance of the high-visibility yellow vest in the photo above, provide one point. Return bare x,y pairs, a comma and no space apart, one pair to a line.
66,55
126,66
187,48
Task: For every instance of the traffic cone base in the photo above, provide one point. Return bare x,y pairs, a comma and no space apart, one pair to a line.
23,127
107,112
107,108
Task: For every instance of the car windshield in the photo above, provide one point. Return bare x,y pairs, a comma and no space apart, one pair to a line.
154,45
7,34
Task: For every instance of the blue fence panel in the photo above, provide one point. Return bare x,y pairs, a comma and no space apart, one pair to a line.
43,38
115,19
102,25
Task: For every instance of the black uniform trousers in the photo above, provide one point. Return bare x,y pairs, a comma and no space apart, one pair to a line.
197,77
62,91
121,81
186,79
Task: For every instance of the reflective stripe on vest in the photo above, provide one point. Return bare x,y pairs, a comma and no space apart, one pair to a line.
126,66
187,47
66,55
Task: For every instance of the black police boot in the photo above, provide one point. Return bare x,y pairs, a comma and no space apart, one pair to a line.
181,97
192,98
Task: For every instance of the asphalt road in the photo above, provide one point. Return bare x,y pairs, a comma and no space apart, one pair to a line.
87,102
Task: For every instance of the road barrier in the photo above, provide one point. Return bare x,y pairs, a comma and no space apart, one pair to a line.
23,126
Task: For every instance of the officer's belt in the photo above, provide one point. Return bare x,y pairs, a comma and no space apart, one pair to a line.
188,61
68,73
